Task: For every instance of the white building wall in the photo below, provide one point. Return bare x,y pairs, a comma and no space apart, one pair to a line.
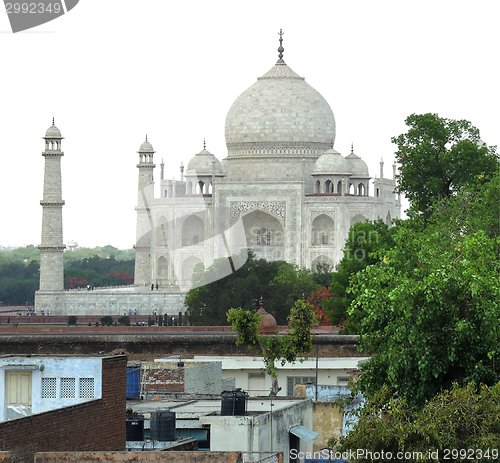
53,370
240,368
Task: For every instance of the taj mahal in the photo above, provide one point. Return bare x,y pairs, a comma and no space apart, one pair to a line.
282,191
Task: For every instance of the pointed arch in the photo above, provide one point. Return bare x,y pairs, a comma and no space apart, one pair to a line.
322,231
358,218
188,266
339,187
162,232
193,231
162,268
322,261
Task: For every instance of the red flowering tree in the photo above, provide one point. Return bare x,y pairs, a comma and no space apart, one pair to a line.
75,282
122,278
316,300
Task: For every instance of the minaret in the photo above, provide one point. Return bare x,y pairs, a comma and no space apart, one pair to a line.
52,247
143,275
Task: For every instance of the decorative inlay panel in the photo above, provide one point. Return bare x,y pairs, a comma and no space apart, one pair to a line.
277,208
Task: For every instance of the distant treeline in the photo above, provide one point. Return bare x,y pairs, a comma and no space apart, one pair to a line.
99,266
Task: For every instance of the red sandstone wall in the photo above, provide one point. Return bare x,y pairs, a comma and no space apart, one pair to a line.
91,426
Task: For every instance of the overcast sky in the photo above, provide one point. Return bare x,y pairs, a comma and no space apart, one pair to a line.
112,71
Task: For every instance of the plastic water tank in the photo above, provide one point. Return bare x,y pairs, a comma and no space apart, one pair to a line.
163,425
134,427
233,403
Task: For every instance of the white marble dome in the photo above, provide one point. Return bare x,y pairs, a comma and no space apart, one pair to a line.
201,164
146,147
280,113
53,132
357,166
331,163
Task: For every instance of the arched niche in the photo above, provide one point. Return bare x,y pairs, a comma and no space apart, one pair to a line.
262,229
162,232
358,218
162,268
193,231
322,231
322,262
188,266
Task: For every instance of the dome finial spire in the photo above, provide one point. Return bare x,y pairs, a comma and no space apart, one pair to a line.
52,121
146,137
280,48
352,148
204,144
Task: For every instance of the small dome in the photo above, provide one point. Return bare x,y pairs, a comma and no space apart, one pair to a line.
268,323
53,132
357,166
146,147
331,162
201,164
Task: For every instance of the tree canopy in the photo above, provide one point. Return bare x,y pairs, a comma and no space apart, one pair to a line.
429,309
364,240
275,348
458,424
439,156
281,284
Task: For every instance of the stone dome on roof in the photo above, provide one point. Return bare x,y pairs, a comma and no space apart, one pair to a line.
146,147
331,162
53,132
280,113
357,166
201,164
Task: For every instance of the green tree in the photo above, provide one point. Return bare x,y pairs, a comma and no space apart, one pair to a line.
438,157
279,283
429,309
455,420
364,240
297,343
72,320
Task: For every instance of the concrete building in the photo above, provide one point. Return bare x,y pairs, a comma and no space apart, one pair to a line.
269,425
61,403
247,374
282,191
30,385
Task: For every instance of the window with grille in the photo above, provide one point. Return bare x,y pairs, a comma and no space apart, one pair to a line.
49,388
263,237
68,388
292,381
86,390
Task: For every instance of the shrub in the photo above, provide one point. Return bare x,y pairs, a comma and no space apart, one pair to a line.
106,321
72,320
125,321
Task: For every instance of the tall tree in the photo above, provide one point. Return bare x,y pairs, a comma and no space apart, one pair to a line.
429,309
438,156
296,344
365,238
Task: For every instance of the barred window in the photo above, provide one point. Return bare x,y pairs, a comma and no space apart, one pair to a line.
68,388
86,390
49,388
263,237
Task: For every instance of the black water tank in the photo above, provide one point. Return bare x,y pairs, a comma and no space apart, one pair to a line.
163,425
233,403
134,427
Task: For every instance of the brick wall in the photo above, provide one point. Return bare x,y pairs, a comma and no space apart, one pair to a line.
162,377
90,426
